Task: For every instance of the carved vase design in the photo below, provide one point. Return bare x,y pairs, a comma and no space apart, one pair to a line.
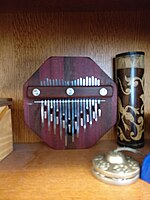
130,81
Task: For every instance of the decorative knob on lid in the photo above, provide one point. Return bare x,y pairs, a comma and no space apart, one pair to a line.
115,157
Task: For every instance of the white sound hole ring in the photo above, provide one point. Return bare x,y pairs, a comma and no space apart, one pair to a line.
103,91
70,91
36,92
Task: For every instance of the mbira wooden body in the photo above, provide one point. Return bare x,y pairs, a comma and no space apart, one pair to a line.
70,102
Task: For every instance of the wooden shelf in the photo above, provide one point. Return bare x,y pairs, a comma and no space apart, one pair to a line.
74,5
33,30
34,171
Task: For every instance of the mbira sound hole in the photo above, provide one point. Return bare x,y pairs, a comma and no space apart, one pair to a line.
70,102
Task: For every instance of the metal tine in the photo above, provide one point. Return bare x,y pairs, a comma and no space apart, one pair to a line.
42,113
54,116
84,114
84,107
62,82
78,82
87,103
78,117
66,123
57,112
60,118
83,82
93,108
87,111
48,112
95,103
41,83
51,110
96,116
66,116
98,82
87,81
47,82
50,82
75,109
99,109
63,113
81,106
68,83
54,83
45,109
90,111
42,108
44,83
63,106
69,116
68,110
59,82
56,104
72,124
95,82
60,112
51,102
92,80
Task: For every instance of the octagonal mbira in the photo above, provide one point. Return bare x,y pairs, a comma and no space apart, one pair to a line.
70,102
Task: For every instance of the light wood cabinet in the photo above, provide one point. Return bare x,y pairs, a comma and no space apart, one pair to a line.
32,31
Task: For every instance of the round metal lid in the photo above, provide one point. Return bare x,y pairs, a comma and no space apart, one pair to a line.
114,181
116,168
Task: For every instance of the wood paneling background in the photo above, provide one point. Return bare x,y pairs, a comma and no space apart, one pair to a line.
27,39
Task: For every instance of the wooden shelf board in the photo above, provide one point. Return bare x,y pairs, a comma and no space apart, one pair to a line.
74,5
35,171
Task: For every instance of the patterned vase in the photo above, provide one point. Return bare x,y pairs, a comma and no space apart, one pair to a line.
130,80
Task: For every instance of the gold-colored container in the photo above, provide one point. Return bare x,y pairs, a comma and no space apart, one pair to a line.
6,138
130,80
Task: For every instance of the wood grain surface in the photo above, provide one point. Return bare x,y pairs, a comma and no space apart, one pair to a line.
27,39
73,5
34,171
6,141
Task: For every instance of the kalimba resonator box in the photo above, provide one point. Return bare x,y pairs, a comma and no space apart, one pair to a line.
70,102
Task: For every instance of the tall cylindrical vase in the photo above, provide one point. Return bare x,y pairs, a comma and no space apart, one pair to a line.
130,80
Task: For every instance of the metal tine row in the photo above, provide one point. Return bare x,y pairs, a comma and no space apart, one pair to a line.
70,114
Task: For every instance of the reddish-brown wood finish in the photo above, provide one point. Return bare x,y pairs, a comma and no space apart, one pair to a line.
68,69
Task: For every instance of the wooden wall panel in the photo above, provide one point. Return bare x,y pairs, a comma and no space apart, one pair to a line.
27,39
